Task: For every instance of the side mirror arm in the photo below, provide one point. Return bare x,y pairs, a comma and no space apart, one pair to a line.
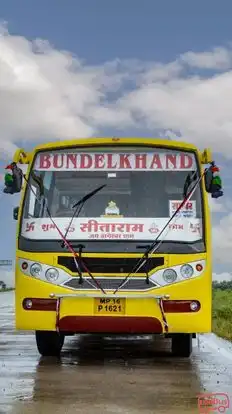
14,181
213,182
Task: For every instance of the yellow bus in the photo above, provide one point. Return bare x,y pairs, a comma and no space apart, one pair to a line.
113,237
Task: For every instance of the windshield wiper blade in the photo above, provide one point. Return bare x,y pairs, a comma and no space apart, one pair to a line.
81,203
191,177
66,242
156,244
76,213
87,196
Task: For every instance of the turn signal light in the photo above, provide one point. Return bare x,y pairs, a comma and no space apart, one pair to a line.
28,303
24,265
199,267
179,306
39,304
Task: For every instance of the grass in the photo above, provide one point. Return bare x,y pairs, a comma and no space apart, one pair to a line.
222,313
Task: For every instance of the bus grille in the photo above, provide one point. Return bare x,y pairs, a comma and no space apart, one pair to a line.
111,283
101,265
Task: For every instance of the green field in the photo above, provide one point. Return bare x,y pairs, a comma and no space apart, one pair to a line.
222,313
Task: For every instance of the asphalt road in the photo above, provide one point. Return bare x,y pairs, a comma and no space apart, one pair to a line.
106,375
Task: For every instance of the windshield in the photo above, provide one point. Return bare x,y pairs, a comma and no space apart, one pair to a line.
142,191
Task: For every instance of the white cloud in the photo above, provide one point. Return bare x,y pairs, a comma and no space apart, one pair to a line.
44,93
199,108
216,206
48,94
222,276
218,58
222,240
160,72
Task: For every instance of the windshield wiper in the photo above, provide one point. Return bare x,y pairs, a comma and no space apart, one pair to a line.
76,213
76,257
156,244
190,179
80,203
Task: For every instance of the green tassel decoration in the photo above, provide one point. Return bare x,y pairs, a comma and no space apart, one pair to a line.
216,189
217,181
8,179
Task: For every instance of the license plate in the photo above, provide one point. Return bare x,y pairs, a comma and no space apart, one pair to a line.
109,306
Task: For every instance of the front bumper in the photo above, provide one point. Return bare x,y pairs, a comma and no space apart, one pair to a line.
115,313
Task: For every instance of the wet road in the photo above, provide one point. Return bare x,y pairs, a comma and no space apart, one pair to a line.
102,375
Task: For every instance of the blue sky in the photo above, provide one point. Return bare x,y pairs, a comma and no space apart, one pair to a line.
102,30
136,36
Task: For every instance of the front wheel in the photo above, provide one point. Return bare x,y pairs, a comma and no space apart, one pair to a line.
49,343
182,345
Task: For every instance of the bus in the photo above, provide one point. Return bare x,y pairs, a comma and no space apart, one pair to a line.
113,237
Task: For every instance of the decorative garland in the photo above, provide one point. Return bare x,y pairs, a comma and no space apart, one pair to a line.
13,181
216,186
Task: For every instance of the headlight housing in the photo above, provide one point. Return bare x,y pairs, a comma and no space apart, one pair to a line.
169,275
36,269
186,271
52,274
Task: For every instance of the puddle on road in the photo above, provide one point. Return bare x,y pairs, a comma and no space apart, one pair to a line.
103,375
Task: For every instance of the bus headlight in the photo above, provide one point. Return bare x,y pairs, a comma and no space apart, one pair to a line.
52,274
169,275
186,271
35,269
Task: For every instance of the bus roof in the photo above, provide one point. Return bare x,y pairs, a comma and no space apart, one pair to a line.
115,141
23,157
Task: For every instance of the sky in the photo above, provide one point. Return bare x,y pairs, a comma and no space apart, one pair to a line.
101,68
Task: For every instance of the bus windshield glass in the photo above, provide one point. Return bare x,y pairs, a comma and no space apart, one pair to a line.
143,188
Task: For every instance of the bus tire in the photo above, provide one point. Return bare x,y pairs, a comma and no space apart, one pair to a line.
182,345
49,343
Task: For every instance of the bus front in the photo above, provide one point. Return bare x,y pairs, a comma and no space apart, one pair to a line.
78,249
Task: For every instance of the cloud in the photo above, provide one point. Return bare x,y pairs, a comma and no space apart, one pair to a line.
44,93
194,108
218,59
199,108
48,94
222,240
221,229
222,276
216,206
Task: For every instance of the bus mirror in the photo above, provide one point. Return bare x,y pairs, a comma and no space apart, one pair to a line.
13,181
208,180
206,156
213,183
16,213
